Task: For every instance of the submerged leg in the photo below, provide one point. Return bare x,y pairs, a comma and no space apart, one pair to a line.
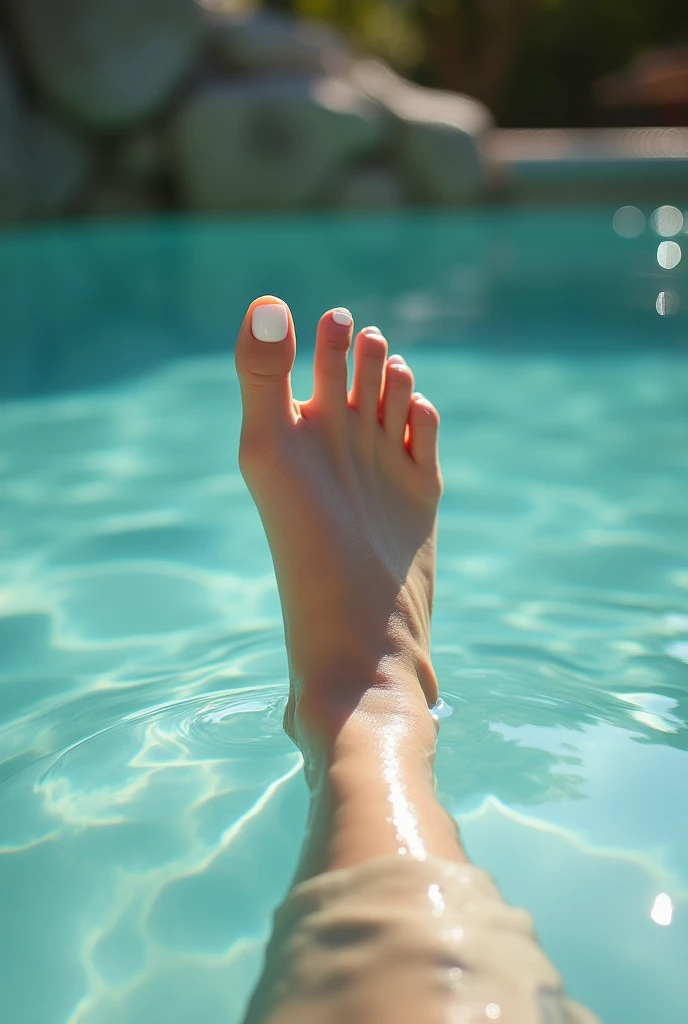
387,921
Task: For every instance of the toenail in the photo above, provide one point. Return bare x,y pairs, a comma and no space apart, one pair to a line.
342,317
397,360
270,322
373,331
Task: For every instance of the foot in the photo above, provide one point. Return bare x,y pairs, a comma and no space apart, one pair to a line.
347,485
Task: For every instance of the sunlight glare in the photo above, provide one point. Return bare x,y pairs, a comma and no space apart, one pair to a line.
662,909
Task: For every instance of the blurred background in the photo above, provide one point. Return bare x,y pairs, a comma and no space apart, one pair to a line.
131,107
535,63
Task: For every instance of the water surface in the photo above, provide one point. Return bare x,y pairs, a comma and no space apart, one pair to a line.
151,810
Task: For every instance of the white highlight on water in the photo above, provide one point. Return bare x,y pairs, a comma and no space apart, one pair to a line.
669,255
667,303
629,222
662,909
667,221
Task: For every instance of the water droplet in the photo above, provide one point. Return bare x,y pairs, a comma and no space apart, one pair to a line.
437,900
441,709
454,975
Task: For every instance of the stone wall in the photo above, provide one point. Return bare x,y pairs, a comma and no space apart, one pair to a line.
114,107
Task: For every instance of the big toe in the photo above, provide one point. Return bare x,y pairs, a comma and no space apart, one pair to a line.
264,356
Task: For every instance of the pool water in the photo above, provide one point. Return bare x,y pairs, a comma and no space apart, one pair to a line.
151,811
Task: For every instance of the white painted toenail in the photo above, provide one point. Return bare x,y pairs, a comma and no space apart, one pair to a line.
397,360
375,331
342,317
270,322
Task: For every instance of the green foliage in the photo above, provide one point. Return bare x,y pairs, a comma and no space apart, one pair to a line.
381,27
533,61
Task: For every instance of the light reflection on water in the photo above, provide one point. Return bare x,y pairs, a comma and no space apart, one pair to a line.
667,303
151,809
669,255
667,221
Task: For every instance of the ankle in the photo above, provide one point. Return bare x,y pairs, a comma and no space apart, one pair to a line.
360,755
332,720
394,675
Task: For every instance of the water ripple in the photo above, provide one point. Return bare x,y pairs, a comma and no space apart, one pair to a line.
151,807
225,726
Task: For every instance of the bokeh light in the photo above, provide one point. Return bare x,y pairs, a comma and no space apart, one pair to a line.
668,255
667,303
667,221
629,222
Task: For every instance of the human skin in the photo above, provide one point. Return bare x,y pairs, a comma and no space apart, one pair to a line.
348,485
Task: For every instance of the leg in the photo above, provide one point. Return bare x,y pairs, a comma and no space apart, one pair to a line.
348,485
348,489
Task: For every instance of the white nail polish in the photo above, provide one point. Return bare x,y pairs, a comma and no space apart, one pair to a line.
374,331
270,322
342,317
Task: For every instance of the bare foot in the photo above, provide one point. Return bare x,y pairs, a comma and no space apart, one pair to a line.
347,485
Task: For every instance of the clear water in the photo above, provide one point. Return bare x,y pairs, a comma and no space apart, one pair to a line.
150,809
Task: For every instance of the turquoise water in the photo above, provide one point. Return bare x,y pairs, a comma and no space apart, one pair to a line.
151,810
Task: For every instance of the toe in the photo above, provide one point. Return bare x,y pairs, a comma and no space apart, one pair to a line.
330,371
370,353
396,398
264,356
424,425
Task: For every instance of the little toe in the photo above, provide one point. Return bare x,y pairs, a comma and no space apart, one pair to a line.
370,353
396,398
330,373
424,425
264,356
